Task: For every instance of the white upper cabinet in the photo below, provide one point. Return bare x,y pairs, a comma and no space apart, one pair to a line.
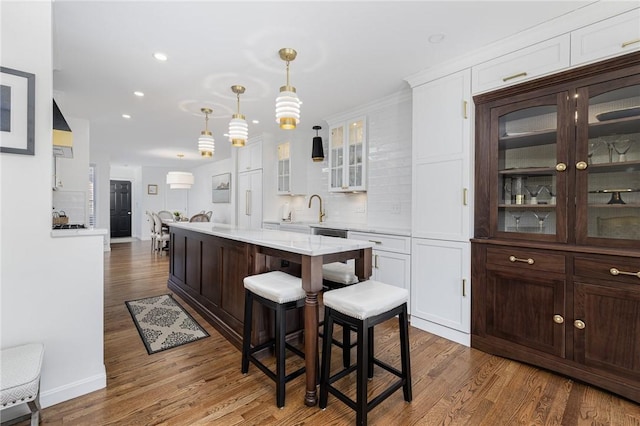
522,65
250,156
613,36
292,176
441,167
348,155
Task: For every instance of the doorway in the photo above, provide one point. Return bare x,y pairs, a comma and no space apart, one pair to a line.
120,208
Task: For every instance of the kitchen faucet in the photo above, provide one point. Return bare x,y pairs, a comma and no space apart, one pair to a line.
320,212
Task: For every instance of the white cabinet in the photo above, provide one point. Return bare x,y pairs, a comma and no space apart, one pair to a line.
441,290
522,65
613,36
441,166
271,225
292,174
249,199
250,156
441,206
391,258
348,155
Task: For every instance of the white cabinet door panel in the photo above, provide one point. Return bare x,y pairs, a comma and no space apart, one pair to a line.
440,283
613,36
249,203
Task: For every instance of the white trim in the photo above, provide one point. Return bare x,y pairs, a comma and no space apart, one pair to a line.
439,330
74,389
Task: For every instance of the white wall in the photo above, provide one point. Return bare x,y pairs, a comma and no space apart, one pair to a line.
200,193
44,296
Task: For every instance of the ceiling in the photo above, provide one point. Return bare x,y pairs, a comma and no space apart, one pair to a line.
349,54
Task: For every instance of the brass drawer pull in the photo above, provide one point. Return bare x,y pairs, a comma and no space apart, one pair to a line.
530,261
558,319
376,242
615,271
511,77
630,42
579,324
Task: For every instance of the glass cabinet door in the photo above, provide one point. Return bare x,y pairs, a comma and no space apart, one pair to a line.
356,144
531,182
336,159
284,168
608,163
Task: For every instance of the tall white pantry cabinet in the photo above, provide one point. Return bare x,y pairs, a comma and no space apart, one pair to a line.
441,207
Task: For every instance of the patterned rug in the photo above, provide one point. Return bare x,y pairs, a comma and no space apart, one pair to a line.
163,323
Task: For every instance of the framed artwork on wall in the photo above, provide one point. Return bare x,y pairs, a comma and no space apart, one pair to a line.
221,188
152,189
17,111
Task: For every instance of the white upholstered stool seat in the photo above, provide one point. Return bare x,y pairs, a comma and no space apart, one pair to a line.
20,377
341,273
276,286
366,299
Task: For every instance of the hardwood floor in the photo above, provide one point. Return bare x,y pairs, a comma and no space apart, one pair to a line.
200,383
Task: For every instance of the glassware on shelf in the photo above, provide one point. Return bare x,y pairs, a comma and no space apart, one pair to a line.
621,147
541,216
518,184
533,191
507,190
594,145
516,217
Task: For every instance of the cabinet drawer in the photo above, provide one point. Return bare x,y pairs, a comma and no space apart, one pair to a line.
384,242
527,259
604,268
613,36
524,64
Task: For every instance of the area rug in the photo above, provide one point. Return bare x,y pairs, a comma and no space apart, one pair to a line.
164,324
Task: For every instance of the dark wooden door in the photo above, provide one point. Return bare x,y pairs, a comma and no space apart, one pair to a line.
120,207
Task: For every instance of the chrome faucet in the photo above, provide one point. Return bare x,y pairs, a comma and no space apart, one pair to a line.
320,212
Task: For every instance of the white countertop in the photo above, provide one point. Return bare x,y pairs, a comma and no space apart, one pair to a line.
360,227
87,232
310,245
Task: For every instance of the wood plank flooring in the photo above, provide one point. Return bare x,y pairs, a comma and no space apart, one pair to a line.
200,383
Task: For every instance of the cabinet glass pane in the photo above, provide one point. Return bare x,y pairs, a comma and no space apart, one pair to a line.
527,156
613,156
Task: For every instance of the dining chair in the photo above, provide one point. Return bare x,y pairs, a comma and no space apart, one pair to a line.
152,223
200,217
166,215
162,234
209,214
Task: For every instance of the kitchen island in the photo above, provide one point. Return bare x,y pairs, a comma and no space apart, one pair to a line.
208,262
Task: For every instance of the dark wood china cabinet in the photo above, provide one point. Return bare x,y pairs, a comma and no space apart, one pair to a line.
556,251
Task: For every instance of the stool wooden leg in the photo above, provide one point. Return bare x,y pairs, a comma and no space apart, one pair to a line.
246,337
361,376
34,406
404,353
280,355
370,351
346,346
326,359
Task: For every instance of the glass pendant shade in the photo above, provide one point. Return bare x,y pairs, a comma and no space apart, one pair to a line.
180,180
238,130
206,144
287,108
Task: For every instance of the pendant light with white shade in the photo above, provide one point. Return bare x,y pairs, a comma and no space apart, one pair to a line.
238,128
206,143
180,180
287,102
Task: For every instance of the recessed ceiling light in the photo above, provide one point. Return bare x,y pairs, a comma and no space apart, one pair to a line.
138,93
255,121
160,56
436,38
127,116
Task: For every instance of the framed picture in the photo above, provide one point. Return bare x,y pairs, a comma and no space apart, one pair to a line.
221,192
17,111
152,189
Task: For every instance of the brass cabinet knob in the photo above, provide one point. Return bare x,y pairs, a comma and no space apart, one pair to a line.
580,325
581,165
558,319
561,167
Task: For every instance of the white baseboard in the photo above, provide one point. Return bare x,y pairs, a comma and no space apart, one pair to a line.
442,331
73,390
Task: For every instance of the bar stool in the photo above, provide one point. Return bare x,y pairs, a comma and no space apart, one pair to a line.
363,306
279,292
20,378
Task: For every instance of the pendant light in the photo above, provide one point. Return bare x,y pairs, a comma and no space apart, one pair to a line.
180,180
238,128
206,144
317,152
287,103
